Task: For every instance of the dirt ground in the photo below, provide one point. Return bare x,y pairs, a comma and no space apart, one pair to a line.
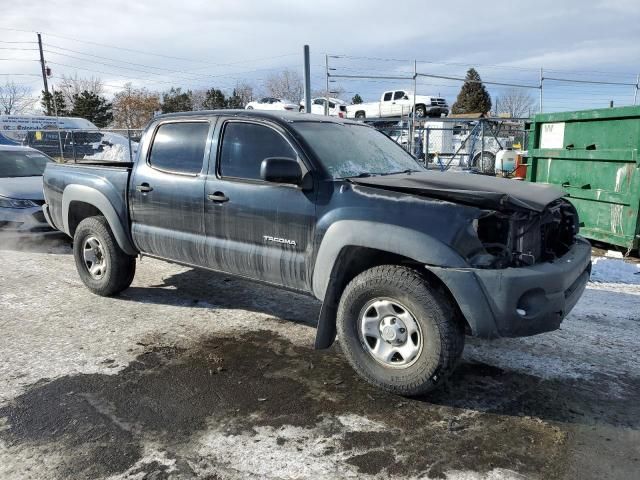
190,374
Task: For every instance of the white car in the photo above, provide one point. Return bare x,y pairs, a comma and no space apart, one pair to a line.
337,108
270,103
398,103
21,195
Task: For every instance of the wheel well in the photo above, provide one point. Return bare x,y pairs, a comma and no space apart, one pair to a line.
354,260
78,211
361,112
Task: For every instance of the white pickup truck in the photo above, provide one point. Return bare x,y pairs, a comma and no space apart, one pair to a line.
396,103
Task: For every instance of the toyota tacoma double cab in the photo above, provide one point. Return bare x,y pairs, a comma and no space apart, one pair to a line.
405,261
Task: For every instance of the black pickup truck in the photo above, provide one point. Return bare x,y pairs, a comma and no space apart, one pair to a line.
405,261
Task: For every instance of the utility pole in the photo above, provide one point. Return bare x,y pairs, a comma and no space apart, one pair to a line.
307,80
541,80
635,94
326,66
44,75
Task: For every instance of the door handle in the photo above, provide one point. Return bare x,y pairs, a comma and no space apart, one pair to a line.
218,197
144,188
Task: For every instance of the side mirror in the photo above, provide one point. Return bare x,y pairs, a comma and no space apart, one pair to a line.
281,170
406,97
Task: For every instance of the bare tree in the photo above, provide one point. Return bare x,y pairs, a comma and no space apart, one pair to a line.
515,102
74,85
244,91
15,99
285,85
134,107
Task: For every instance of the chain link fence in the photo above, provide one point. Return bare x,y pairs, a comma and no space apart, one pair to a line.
486,146
73,145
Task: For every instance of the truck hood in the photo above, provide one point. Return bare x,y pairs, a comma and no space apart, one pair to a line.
22,188
477,190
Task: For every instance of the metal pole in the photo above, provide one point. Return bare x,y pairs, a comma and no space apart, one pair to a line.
307,80
55,107
129,139
44,75
326,103
541,83
73,146
635,95
426,148
482,169
413,110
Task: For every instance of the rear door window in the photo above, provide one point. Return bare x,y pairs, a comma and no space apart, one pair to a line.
246,145
387,97
179,147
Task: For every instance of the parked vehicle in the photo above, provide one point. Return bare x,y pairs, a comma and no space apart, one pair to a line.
404,260
337,107
270,103
396,103
21,196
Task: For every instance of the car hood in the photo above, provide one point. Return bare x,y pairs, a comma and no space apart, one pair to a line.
477,190
24,188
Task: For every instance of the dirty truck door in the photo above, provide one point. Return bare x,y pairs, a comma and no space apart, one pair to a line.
255,228
167,191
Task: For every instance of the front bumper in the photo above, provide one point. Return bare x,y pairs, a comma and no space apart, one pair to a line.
517,302
23,220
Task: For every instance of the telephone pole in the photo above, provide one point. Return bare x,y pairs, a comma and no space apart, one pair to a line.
44,75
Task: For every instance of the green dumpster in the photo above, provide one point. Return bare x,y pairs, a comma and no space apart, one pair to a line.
593,155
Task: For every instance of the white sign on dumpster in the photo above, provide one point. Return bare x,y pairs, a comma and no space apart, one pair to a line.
552,135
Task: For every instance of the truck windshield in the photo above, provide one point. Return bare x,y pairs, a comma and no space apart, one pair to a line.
22,164
347,150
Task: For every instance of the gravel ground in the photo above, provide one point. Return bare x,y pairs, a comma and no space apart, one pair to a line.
190,374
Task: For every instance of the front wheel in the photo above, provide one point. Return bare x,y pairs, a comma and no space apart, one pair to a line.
421,111
102,265
397,332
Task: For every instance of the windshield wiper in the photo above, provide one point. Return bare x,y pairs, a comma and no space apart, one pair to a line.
409,170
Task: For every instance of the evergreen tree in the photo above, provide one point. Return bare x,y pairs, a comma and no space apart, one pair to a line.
47,101
214,99
234,101
93,107
175,100
473,96
356,99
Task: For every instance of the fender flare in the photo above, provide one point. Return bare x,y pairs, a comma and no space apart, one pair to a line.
403,241
82,193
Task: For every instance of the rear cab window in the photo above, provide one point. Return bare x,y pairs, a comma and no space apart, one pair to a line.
179,147
245,145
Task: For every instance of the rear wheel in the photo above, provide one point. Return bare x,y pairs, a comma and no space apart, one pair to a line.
249,107
360,115
421,111
397,332
485,162
102,265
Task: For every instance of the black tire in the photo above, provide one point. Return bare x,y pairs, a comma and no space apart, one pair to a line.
360,115
485,162
442,331
119,268
249,107
421,111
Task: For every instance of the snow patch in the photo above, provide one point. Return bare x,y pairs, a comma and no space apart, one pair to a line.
614,270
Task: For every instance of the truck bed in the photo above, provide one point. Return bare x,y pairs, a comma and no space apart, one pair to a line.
111,179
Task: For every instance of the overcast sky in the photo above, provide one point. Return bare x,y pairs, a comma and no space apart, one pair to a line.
214,43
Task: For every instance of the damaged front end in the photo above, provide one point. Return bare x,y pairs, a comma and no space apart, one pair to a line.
523,237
